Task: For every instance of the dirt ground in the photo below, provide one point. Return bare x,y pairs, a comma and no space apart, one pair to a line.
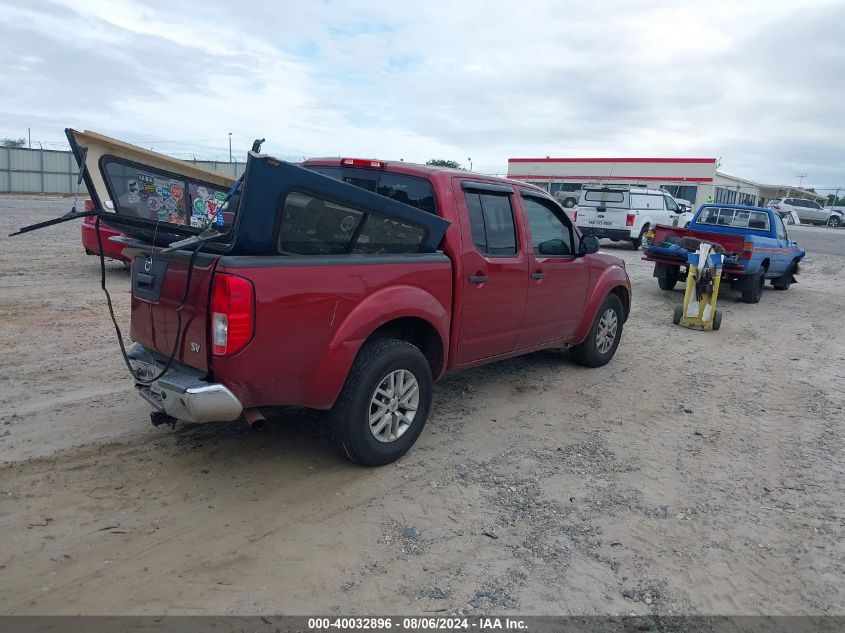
697,473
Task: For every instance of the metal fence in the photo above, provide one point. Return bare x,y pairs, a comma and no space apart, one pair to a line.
52,171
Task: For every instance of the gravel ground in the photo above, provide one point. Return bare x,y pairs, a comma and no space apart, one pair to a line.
698,473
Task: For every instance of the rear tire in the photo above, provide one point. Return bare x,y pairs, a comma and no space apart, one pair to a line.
677,314
569,203
669,281
754,292
375,420
834,221
637,242
604,335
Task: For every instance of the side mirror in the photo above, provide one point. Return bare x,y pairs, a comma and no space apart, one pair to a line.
589,244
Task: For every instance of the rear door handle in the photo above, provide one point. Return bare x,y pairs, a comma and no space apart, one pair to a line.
538,275
477,279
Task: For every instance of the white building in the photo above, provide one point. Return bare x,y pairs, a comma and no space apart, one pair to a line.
693,179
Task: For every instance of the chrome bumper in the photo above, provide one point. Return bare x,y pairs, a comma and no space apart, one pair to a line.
182,393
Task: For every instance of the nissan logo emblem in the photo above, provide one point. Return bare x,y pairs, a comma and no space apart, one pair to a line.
148,264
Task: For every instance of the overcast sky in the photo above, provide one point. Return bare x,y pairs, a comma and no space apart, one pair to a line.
760,85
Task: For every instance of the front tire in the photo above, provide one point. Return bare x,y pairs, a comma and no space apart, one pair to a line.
784,281
604,335
384,403
569,203
834,221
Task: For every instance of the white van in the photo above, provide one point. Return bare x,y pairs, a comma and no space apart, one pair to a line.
623,213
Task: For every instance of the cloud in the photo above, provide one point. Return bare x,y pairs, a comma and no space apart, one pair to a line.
755,83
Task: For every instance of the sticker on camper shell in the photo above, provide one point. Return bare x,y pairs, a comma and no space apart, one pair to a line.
202,192
153,203
170,204
200,206
133,198
132,186
176,191
219,196
145,177
149,188
347,224
197,221
163,192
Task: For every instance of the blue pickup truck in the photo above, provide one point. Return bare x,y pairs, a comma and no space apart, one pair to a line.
753,240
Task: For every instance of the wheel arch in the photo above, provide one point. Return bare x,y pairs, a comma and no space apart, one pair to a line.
408,313
613,280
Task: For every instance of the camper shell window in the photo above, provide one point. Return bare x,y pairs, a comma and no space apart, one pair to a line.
157,195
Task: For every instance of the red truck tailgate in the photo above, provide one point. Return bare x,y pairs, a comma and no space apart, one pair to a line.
158,287
731,243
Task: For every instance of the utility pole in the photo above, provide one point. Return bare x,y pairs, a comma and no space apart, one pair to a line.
470,163
801,176
29,137
230,147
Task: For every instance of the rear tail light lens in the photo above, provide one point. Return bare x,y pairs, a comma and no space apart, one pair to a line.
89,205
232,314
575,215
776,207
629,219
747,249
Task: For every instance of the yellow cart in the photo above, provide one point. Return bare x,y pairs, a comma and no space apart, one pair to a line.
703,276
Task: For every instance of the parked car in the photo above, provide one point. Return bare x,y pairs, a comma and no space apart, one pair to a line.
753,239
624,213
568,199
349,285
808,211
836,216
111,249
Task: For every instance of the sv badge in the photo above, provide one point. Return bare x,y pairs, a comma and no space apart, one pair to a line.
195,347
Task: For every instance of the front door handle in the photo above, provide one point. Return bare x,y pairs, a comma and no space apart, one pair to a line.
538,275
477,279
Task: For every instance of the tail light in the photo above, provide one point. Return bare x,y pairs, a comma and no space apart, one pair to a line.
629,219
747,249
232,314
575,215
89,205
776,207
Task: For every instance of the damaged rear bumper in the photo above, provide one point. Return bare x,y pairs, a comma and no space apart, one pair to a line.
182,392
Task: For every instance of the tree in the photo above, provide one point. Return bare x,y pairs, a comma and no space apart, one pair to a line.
439,162
833,201
13,142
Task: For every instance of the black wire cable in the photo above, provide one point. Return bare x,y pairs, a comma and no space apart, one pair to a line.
179,310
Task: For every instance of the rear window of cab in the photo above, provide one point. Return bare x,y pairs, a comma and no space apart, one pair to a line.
411,190
736,218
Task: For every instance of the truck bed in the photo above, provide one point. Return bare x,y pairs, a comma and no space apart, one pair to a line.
661,251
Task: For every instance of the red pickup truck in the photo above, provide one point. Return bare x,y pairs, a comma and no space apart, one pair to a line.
345,284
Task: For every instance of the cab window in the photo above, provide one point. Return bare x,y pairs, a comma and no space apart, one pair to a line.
551,233
491,222
781,229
